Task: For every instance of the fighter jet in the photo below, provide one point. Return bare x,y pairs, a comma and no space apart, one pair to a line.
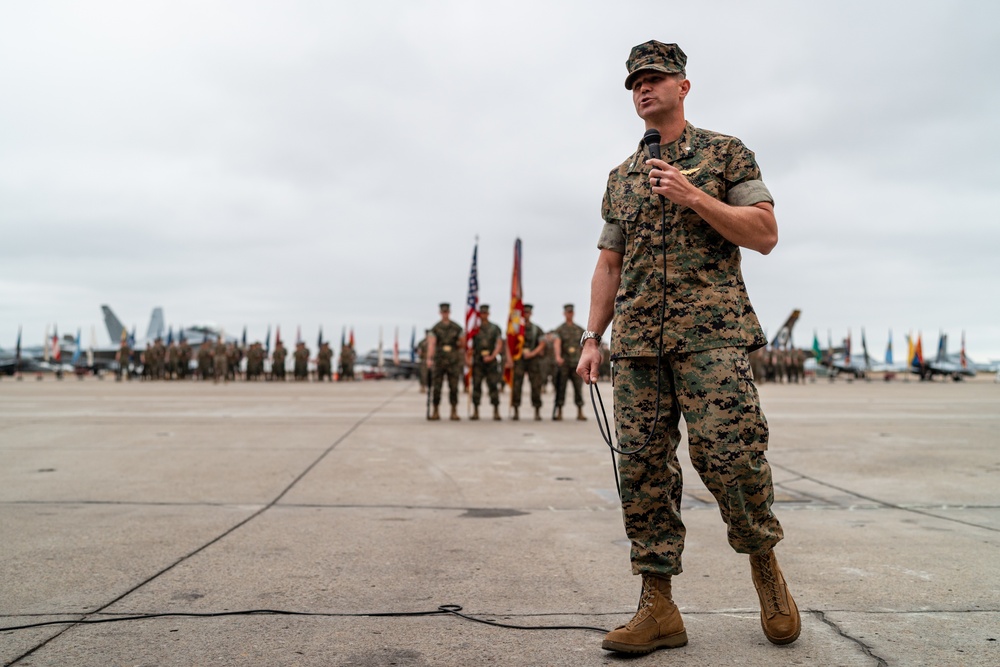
956,366
840,360
195,335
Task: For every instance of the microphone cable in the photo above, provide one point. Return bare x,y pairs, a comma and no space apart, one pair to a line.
442,610
652,140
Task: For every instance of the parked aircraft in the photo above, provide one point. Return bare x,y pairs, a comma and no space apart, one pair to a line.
842,360
370,365
955,366
194,335
783,338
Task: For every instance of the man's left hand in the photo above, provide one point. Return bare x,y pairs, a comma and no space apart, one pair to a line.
668,181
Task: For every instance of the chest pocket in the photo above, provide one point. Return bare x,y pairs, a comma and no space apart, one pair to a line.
709,180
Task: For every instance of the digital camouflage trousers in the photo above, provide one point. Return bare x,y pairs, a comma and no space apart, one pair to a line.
727,435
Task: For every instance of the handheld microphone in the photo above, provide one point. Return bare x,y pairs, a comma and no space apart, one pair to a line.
652,141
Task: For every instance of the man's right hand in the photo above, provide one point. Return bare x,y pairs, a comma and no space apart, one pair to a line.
590,362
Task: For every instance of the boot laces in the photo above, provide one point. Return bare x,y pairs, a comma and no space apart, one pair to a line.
645,603
769,581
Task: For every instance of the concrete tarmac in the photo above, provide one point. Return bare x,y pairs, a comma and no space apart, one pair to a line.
341,503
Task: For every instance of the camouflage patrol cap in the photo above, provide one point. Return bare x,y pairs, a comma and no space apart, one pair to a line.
444,306
568,306
656,56
484,308
528,307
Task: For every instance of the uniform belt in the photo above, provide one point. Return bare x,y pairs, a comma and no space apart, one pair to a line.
446,348
571,350
485,353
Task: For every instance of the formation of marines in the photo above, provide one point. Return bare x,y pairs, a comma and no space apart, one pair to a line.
221,361
547,358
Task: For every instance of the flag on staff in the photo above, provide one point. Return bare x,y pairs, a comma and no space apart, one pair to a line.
472,319
350,339
277,335
267,341
244,343
298,334
46,341
343,337
888,350
847,349
319,341
17,348
77,351
817,353
170,336
413,345
917,360
381,355
864,348
395,348
515,321
963,359
56,350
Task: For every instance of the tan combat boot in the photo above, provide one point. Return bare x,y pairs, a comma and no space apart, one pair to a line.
557,417
435,416
779,616
496,413
454,414
657,623
580,417
475,413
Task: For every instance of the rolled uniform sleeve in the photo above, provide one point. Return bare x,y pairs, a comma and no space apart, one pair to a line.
743,179
748,193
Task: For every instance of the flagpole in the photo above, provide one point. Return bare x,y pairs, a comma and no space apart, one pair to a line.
515,324
472,323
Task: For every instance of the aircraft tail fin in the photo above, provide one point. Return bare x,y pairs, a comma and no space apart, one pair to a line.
942,352
784,336
155,329
115,328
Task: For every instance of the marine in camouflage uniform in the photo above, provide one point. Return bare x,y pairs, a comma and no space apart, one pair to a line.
567,353
530,363
220,357
183,359
324,363
347,357
122,357
205,362
445,352
278,361
486,346
671,239
301,355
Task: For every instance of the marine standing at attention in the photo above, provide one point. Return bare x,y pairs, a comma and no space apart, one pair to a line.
669,274
530,363
445,352
486,346
278,361
567,344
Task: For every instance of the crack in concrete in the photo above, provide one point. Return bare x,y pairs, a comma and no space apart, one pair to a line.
865,648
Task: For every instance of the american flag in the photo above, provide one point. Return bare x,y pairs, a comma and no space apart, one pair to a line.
472,320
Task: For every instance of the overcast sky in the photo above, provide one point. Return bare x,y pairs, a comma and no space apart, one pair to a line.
331,164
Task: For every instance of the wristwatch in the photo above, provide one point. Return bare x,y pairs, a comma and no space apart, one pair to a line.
590,334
